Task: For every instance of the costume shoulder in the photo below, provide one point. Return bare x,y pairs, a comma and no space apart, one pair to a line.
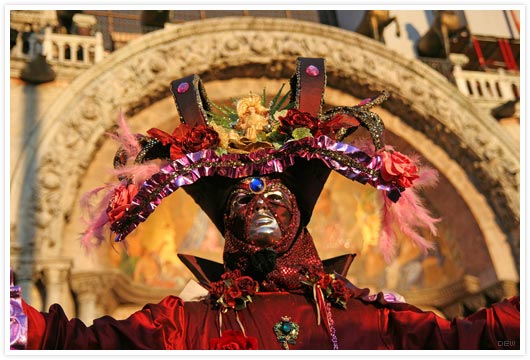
155,327
404,326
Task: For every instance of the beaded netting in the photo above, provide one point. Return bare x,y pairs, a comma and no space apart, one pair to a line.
286,256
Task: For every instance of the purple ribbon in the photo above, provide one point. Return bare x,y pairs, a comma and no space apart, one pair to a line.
345,159
18,337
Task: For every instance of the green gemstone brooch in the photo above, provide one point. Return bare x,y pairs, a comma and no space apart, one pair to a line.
286,332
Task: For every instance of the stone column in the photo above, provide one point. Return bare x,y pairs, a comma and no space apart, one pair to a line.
87,306
98,49
17,50
459,60
60,47
86,53
47,48
505,85
74,48
55,277
90,289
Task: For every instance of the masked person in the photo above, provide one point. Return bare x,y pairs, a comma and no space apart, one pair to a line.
257,172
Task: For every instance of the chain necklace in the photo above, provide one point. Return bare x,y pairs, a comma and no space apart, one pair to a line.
332,330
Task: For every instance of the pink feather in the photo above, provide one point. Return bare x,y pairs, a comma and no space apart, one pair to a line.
409,214
98,219
428,178
85,201
126,138
139,172
387,237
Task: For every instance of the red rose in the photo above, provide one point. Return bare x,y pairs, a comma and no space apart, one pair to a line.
398,168
339,290
233,340
121,201
296,119
247,285
232,294
186,139
199,138
217,289
231,274
312,273
324,281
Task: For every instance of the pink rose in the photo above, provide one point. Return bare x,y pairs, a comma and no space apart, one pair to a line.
397,168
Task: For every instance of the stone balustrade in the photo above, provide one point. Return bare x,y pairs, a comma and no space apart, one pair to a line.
60,49
495,87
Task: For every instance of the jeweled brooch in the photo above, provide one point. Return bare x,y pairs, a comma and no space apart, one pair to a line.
286,332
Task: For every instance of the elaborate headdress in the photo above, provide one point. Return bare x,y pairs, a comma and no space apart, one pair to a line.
290,139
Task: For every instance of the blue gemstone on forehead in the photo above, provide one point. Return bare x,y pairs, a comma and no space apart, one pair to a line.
256,185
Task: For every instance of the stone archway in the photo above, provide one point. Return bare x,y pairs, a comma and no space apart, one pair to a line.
136,76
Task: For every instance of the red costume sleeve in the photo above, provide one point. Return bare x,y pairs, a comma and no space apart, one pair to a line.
496,327
164,326
156,326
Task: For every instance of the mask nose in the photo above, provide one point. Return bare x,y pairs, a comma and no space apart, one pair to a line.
260,205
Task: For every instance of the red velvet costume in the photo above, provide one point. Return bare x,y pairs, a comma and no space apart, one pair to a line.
263,217
173,324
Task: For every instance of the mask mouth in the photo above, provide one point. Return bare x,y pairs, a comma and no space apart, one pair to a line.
264,229
264,219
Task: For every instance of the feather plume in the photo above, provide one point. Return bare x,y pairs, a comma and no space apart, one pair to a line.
126,138
139,172
98,221
409,214
86,199
387,237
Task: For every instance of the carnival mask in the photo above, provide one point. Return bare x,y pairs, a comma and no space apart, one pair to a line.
261,212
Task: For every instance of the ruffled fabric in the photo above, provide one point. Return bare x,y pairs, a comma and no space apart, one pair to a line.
345,159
